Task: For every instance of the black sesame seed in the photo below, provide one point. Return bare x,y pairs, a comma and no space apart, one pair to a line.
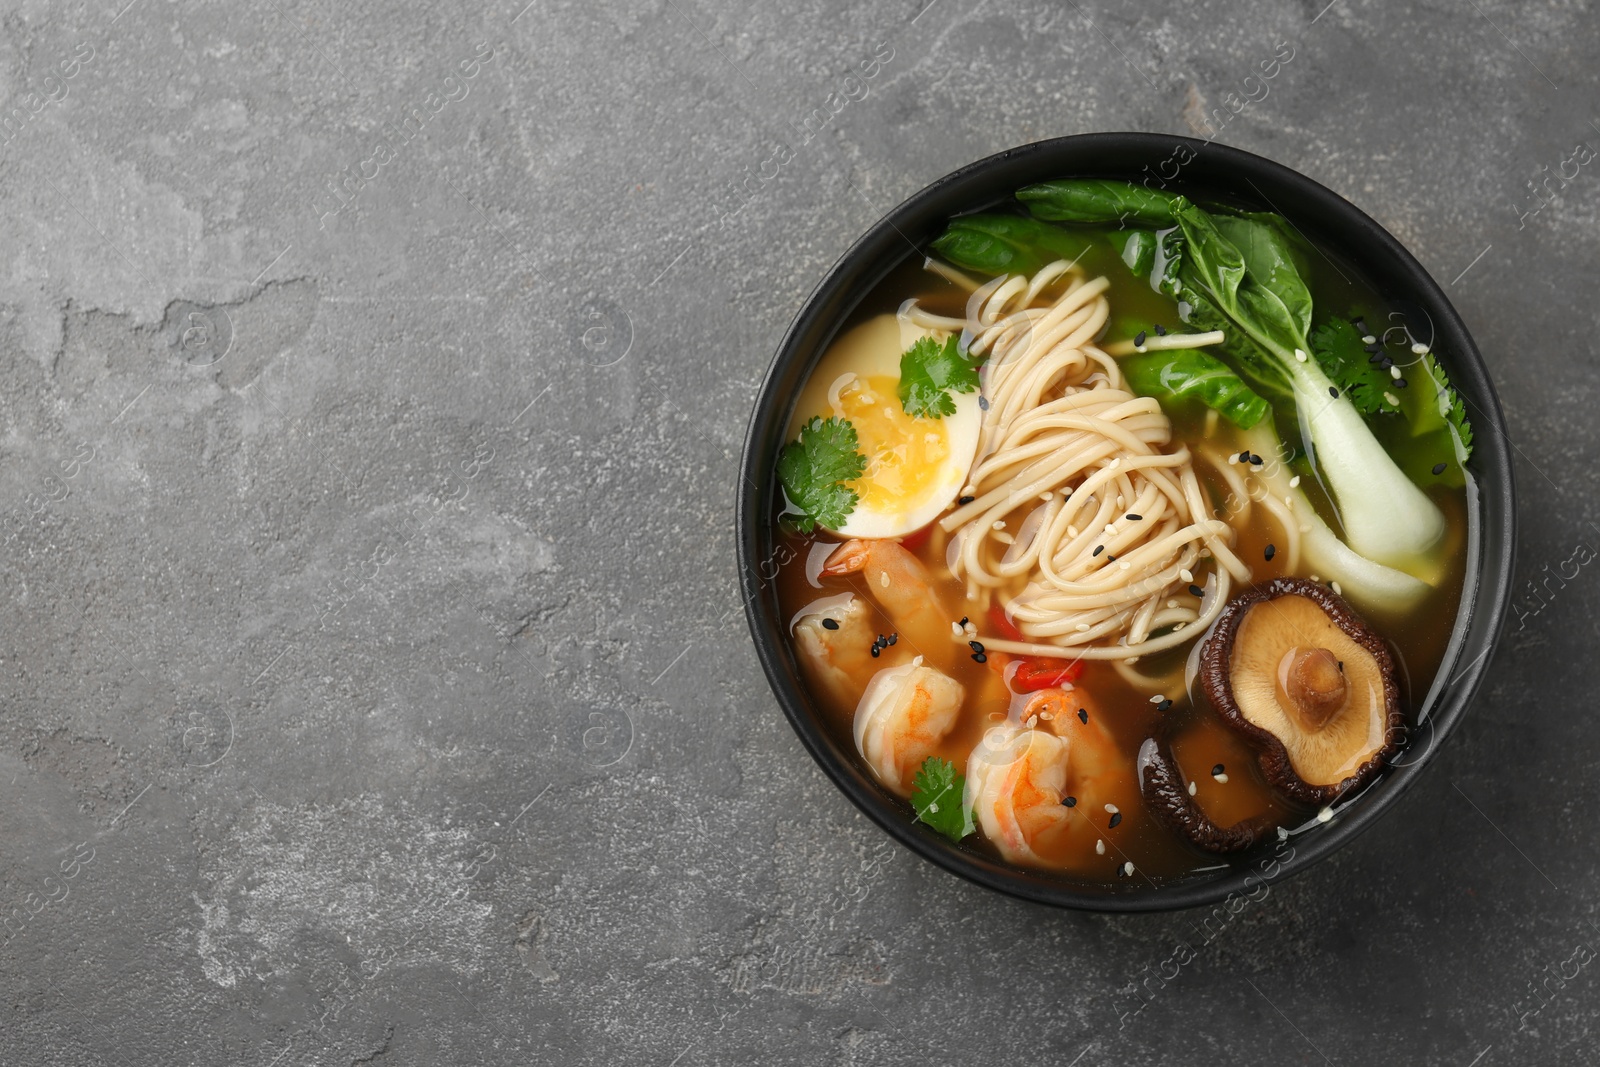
1333,391
829,624
979,657
1376,357
1083,716
1110,558
892,639
965,499
983,402
1400,383
1438,468
1138,339
1161,331
976,646
1272,550
1131,517
1123,872
1255,460
1116,820
1244,457
1218,769
1195,590
1164,705
876,651
1341,666
1097,550
963,620
1071,802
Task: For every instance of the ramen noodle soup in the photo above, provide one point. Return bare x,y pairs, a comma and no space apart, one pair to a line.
1124,533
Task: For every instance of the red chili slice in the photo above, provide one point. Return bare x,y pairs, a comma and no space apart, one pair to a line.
1036,672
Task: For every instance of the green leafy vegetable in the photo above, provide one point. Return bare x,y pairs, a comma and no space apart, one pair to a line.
929,372
1385,516
814,470
1006,244
1139,252
1338,348
1190,373
1099,200
938,798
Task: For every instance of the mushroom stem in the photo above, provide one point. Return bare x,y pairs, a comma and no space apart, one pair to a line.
1312,685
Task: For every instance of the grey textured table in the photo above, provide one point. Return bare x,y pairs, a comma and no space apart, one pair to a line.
375,687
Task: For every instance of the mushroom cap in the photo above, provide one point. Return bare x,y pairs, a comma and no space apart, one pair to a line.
1168,798
1291,666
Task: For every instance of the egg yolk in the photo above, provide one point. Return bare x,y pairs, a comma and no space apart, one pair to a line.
905,455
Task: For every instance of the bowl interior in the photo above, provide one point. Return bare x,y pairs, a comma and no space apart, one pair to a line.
1212,171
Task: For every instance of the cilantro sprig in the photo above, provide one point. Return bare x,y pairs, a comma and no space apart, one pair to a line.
938,798
929,373
814,470
1338,347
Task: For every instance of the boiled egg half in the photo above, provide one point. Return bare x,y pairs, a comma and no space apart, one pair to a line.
915,466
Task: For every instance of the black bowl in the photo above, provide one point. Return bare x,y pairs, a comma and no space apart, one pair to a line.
1214,171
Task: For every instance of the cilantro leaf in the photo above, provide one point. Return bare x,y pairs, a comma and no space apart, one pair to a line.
1338,348
813,471
939,798
929,372
1449,405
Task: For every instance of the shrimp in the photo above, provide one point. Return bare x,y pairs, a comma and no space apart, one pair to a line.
1022,775
904,714
837,657
900,584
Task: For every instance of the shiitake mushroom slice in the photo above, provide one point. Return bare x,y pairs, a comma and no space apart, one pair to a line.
1293,668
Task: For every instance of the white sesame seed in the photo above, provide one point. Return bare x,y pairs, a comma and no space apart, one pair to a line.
1369,340
1111,809
1299,356
1083,627
1186,574
1111,528
1124,566
1314,578
1393,400
1158,698
1223,777
1192,788
1283,834
1004,538
1100,847
883,579
1232,459
955,629
999,524
1419,349
1179,626
1394,372
1325,815
1336,590
1294,483
1127,868
1172,603
1072,531
1047,495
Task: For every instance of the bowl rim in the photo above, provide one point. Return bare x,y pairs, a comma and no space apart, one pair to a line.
1485,596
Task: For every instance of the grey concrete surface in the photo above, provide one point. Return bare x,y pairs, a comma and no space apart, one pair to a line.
374,687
